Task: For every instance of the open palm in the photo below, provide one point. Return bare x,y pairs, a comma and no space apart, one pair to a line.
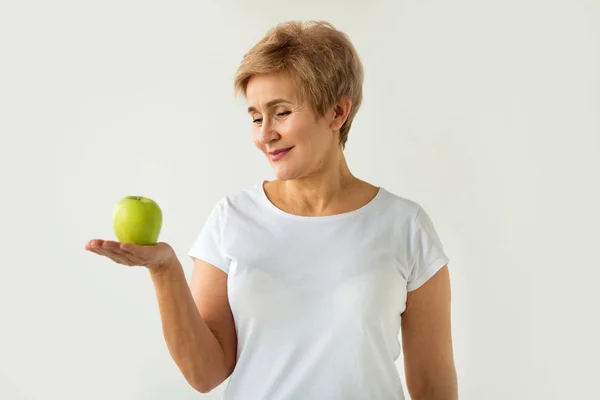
150,256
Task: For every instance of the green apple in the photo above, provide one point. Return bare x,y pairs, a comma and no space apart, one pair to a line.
137,220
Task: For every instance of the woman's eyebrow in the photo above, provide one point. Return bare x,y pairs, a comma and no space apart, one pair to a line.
270,104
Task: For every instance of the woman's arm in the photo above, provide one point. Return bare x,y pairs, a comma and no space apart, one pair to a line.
197,322
427,341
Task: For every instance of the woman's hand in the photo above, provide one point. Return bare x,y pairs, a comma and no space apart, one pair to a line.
151,256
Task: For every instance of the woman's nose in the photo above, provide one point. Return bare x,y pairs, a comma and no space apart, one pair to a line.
268,132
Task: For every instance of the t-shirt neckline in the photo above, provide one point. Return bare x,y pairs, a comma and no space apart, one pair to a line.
360,210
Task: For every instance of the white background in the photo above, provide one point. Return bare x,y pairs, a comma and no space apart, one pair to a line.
487,113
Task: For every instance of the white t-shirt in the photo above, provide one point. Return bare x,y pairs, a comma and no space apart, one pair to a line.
317,300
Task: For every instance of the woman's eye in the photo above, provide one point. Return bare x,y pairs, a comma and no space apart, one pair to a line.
283,113
257,120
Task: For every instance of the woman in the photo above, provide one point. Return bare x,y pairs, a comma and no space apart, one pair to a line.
301,285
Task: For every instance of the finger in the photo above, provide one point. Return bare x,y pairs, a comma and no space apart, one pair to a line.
110,244
130,257
108,249
113,248
104,252
93,250
140,253
103,247
124,255
121,254
112,255
94,243
129,247
135,249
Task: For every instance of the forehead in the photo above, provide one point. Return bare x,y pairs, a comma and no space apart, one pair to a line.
264,87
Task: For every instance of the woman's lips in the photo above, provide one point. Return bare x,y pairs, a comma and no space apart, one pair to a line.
278,154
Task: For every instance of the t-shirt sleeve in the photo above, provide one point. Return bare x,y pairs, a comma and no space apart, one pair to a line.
208,243
426,254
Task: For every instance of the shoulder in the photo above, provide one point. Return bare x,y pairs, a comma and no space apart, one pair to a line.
397,208
241,201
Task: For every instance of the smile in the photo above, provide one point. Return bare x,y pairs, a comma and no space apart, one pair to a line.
278,154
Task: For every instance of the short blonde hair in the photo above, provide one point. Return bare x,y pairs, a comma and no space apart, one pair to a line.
321,59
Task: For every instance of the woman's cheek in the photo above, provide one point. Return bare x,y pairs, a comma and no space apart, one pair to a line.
290,127
256,139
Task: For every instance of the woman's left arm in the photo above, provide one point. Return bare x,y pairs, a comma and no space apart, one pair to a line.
427,341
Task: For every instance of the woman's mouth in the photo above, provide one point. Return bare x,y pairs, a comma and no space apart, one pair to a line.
278,154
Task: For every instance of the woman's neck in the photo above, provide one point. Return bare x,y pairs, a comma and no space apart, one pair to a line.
321,193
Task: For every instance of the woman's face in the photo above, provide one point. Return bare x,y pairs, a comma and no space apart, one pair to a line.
296,141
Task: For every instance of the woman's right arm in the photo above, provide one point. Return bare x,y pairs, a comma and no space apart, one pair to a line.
197,322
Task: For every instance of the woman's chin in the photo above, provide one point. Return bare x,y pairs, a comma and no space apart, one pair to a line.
285,174
283,177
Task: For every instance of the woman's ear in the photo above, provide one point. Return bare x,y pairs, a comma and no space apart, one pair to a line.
341,110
